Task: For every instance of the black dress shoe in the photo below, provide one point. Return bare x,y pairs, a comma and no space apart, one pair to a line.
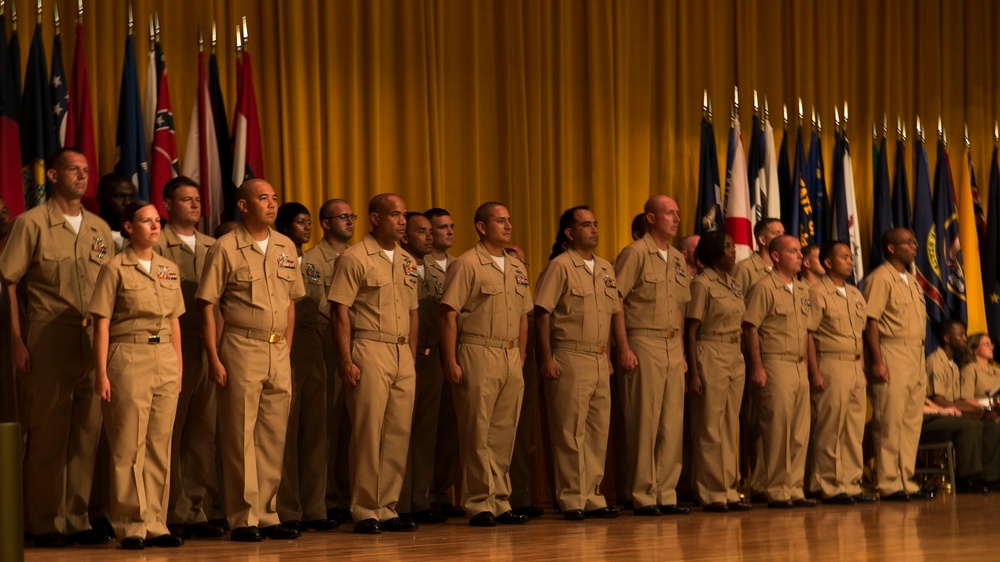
530,511
51,540
607,512
781,504
294,524
716,507
450,510
133,543
574,515
648,510
896,497
428,516
246,534
220,523
178,530
864,498
203,530
510,518
339,515
972,487
89,536
739,506
101,524
368,527
805,502
165,541
674,509
321,524
483,519
839,499
922,495
398,525
279,532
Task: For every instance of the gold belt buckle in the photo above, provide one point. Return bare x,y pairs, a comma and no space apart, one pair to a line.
274,338
400,340
670,335
508,344
153,339
85,323
427,351
600,349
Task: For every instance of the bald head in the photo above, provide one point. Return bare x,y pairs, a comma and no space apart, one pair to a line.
258,203
786,253
381,203
663,217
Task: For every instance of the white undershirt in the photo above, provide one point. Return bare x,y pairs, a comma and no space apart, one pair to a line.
119,240
75,222
188,240
146,264
842,291
664,253
590,265
499,260
420,270
791,288
389,254
262,244
905,280
443,264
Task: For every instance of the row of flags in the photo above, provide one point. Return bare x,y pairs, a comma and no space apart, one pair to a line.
53,113
958,281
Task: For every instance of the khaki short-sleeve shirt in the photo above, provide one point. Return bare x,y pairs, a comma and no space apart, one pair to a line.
717,301
897,305
252,289
581,302
977,381
378,293
58,265
655,291
838,321
190,264
138,302
749,271
943,378
317,275
489,301
781,316
431,289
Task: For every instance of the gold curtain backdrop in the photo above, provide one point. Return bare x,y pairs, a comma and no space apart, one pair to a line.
545,104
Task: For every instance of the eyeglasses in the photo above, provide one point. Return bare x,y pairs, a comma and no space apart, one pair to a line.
344,217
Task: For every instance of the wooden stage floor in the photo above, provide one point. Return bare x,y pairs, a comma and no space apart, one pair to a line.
951,527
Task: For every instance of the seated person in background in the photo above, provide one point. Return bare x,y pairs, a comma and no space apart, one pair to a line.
948,390
980,375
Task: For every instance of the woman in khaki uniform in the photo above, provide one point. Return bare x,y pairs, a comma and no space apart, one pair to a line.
980,373
716,377
137,350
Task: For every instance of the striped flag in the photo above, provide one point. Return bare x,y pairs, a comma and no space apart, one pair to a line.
248,157
130,141
201,159
845,205
79,120
163,157
738,195
756,173
60,92
772,207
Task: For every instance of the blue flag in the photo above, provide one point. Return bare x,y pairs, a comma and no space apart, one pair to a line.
817,190
949,250
901,191
36,125
60,93
802,215
756,175
989,254
709,218
882,219
787,195
130,140
223,141
839,228
928,271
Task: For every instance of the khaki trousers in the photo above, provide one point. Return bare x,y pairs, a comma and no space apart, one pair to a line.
838,428
302,492
579,414
653,407
423,433
715,420
752,465
63,422
897,414
253,420
446,449
381,409
338,429
784,424
193,459
139,421
487,406
524,439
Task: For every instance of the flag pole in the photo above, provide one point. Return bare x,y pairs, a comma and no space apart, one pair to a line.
704,105
819,124
736,105
156,25
843,130
13,17
800,112
55,18
239,42
131,22
920,131
904,131
79,11
784,115
709,110
755,106
246,35
996,134
885,124
767,111
38,12
201,39
899,127
836,119
968,144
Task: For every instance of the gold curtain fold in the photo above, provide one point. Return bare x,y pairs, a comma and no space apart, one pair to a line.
544,104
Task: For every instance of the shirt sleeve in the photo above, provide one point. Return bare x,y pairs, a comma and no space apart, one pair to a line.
457,285
102,303
214,276
627,268
876,295
818,308
15,255
758,302
348,273
551,286
698,305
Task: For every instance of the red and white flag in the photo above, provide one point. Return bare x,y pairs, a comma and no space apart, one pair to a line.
163,158
738,196
248,156
201,159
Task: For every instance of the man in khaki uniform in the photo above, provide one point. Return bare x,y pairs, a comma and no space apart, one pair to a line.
484,326
747,273
193,459
654,286
252,276
576,297
373,308
415,501
446,443
837,379
56,250
775,334
337,221
894,332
